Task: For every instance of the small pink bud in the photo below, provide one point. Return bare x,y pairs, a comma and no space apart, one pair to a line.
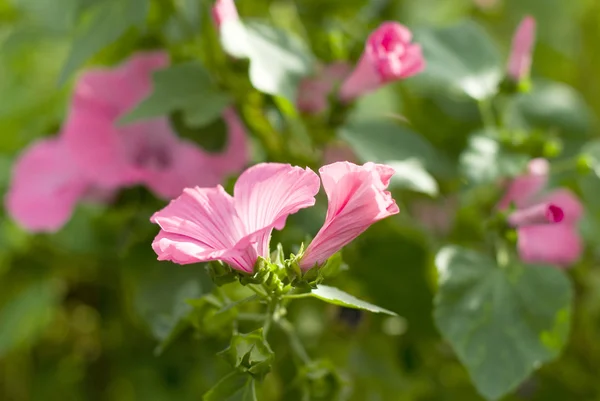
543,213
389,55
519,62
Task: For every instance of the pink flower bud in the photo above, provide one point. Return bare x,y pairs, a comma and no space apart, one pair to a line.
223,11
519,62
389,55
542,213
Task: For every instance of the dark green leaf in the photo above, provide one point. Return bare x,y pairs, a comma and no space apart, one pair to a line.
460,58
502,322
278,60
186,87
336,296
233,387
249,352
106,22
26,315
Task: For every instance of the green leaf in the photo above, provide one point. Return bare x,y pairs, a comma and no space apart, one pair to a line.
233,387
106,22
336,296
550,105
249,352
385,141
483,161
503,323
410,174
461,58
26,315
591,151
187,87
278,60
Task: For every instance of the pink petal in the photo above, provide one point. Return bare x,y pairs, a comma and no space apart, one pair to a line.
542,213
357,198
189,166
224,10
202,225
558,244
522,190
45,187
237,152
389,55
267,193
519,62
568,202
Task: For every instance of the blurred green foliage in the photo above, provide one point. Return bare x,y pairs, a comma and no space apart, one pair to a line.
83,311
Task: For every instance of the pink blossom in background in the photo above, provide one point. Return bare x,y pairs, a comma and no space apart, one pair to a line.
206,224
519,62
546,222
389,55
45,187
224,10
338,152
436,216
313,92
147,152
357,198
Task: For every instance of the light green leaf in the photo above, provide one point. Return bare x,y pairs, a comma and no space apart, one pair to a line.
503,323
26,315
483,161
186,87
336,296
550,105
385,141
411,175
233,387
106,22
461,58
591,151
278,60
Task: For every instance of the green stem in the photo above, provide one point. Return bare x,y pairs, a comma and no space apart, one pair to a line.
295,342
487,115
297,296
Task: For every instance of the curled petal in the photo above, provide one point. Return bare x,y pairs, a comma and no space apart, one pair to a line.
519,62
45,187
542,213
202,225
267,193
557,244
357,198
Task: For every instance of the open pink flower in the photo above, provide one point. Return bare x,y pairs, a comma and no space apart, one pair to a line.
389,56
519,62
546,222
147,152
46,185
357,198
206,224
224,10
313,92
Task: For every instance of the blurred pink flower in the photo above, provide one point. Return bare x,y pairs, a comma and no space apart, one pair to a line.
546,222
338,152
46,185
519,62
224,10
389,55
313,92
436,216
206,224
146,152
357,198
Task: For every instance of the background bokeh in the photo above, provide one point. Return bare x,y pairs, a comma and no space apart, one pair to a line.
83,311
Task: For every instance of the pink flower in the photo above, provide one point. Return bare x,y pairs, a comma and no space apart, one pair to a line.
313,92
224,10
46,185
147,152
338,152
546,222
206,224
436,216
389,56
519,62
357,198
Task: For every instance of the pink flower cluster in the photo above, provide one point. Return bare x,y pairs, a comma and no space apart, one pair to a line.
95,155
389,55
546,223
206,224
